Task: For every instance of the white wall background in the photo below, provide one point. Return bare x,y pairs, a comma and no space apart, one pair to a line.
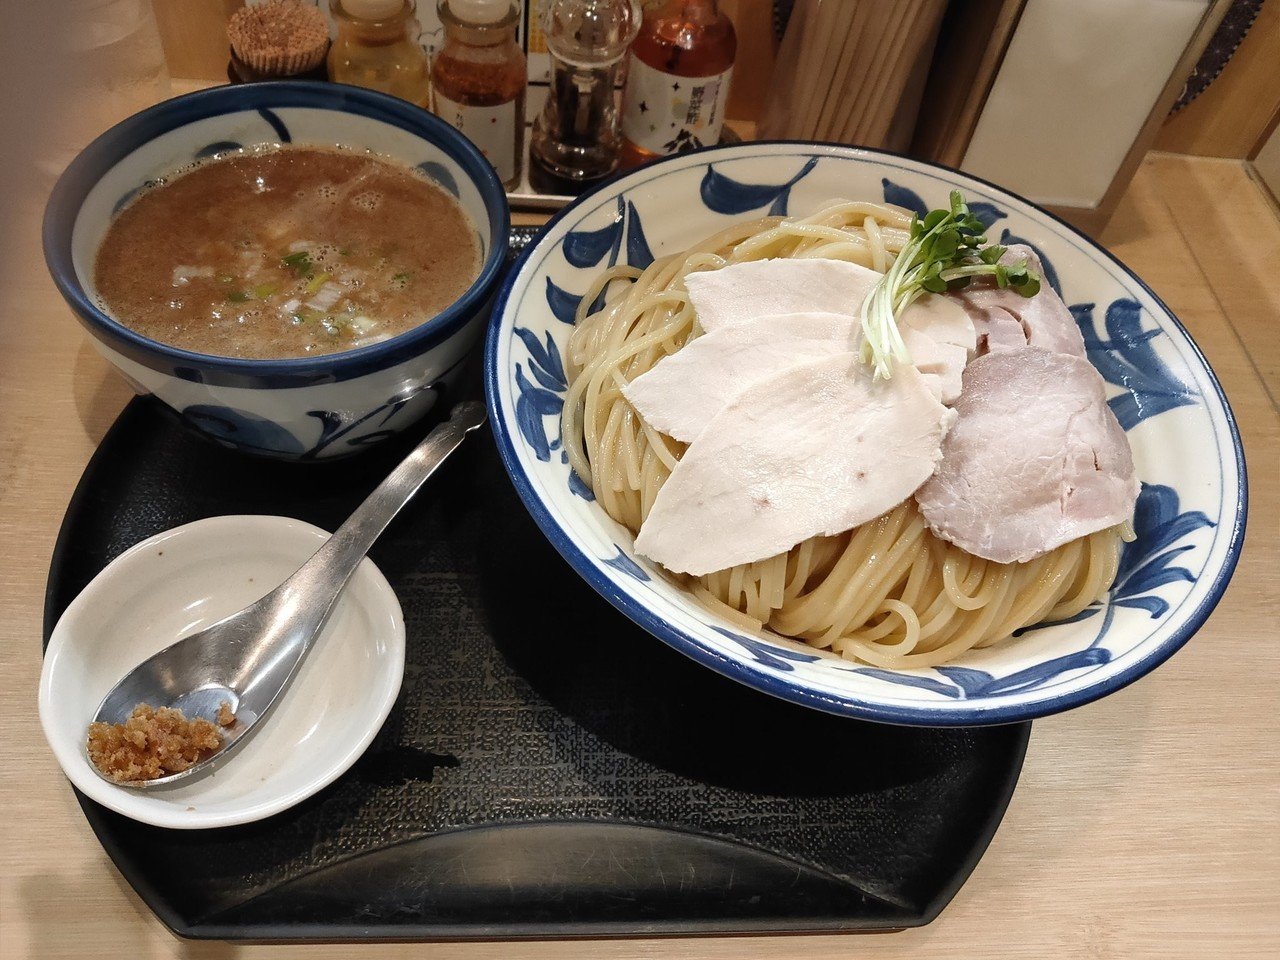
1078,82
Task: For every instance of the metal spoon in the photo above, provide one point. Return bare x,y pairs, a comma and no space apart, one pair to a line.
247,659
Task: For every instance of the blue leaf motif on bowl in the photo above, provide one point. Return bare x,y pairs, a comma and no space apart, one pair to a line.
441,175
532,404
768,654
579,487
128,196
586,248
1145,566
544,360
900,196
563,304
978,683
217,147
338,427
273,119
624,564
723,194
919,681
243,430
542,397
967,683
638,253
1126,358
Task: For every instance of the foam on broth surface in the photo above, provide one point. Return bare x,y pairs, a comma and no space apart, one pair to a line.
292,251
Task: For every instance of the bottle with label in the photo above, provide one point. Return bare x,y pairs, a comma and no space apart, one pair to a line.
377,47
479,77
678,76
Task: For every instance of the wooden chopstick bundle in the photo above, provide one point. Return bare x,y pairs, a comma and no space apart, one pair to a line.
849,71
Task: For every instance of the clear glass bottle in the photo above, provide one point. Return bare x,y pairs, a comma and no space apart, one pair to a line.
576,138
479,76
377,47
678,75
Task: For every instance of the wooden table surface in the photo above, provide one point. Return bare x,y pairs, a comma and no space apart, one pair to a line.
1144,825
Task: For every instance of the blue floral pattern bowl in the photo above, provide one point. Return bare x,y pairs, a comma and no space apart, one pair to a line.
312,407
1190,514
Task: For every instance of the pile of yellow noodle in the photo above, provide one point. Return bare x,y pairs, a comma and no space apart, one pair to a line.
888,593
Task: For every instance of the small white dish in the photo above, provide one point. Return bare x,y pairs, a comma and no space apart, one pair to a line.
181,581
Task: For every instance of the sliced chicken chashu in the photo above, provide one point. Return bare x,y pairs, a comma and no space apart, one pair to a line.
815,450
941,338
683,392
1035,459
742,292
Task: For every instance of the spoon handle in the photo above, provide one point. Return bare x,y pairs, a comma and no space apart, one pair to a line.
312,591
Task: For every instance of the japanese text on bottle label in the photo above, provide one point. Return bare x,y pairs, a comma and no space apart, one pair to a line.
668,114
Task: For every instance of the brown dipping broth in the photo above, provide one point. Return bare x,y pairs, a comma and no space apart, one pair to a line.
288,252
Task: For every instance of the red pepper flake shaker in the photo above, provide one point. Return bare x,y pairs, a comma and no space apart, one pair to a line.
479,79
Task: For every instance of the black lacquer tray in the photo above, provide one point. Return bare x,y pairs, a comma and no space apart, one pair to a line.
549,769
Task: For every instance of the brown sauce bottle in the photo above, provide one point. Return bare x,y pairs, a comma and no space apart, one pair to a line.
678,76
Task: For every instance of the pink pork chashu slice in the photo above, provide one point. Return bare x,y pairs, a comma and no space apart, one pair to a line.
1006,320
817,449
1035,459
741,292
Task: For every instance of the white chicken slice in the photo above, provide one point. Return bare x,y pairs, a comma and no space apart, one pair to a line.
815,450
1035,460
681,394
940,338
743,292
941,364
684,391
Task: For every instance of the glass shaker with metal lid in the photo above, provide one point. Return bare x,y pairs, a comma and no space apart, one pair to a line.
576,138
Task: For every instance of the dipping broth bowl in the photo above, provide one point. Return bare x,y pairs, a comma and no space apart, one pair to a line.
307,408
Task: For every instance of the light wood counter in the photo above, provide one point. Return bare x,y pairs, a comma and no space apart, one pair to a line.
1144,825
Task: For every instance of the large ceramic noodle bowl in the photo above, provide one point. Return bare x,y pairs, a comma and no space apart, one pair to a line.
1042,502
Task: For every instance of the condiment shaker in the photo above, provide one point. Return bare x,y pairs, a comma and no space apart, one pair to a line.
576,138
377,47
480,76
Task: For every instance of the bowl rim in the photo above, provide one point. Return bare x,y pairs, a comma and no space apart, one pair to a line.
119,141
981,711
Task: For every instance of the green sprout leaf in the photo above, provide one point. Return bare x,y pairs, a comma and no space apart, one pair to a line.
946,250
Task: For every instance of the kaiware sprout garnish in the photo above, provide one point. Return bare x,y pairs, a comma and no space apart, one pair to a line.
945,252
